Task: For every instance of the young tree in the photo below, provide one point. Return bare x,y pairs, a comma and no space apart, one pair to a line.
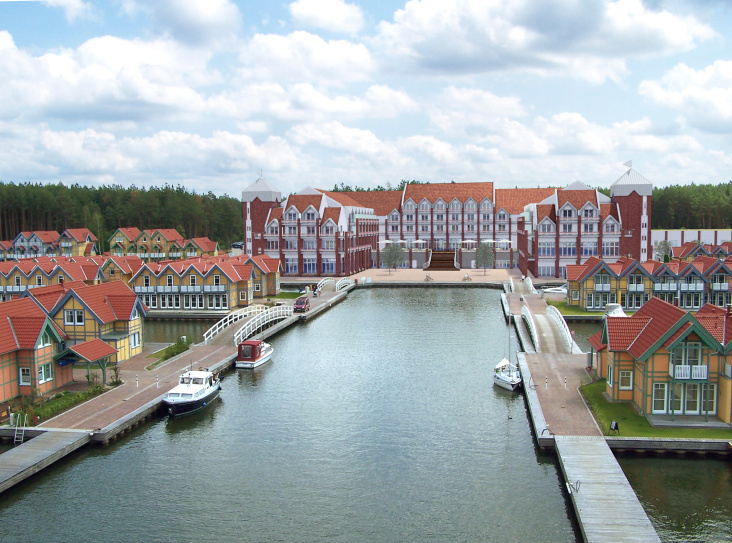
393,255
663,250
484,256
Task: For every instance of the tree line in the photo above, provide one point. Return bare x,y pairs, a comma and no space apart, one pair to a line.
34,206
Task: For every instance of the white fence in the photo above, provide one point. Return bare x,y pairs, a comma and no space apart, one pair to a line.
528,317
231,318
556,316
532,288
260,320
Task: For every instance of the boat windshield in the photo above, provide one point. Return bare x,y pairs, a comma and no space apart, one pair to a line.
185,380
246,351
197,380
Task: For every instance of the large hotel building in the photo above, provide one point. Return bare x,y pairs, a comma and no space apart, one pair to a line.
541,231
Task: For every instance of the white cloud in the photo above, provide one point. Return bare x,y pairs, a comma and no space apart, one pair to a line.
703,97
304,57
193,22
332,15
583,39
73,9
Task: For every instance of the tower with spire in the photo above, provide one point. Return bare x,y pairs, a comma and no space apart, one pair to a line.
632,193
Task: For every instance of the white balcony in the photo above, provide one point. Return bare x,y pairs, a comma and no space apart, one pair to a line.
692,287
636,288
144,290
168,289
723,287
665,287
602,288
685,372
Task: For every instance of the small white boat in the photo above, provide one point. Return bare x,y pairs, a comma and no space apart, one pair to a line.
507,375
253,353
195,390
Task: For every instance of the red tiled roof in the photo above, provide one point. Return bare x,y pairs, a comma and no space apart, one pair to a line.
684,250
596,341
205,244
170,234
275,213
130,233
652,266
717,321
705,263
110,302
664,317
332,213
93,350
448,192
266,263
21,322
382,202
545,210
577,198
345,198
47,236
514,200
623,332
303,201
609,210
80,234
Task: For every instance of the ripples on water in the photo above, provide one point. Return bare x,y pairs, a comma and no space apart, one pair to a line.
377,421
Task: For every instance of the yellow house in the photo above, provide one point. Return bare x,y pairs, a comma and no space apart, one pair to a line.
78,242
122,242
195,284
668,362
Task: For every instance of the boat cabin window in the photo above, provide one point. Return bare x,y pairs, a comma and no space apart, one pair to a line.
185,380
245,351
197,380
186,395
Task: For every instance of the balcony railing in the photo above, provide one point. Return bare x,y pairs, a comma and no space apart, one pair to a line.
602,287
636,288
697,372
692,287
720,286
665,287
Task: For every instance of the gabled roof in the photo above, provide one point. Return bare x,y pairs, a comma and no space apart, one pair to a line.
274,214
93,350
514,200
332,213
448,192
21,324
80,234
545,211
265,263
303,201
688,248
622,332
108,302
718,322
576,198
580,272
47,236
609,210
629,182
205,244
347,199
130,233
596,341
261,189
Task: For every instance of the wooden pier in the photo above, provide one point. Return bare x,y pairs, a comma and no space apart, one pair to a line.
38,453
606,505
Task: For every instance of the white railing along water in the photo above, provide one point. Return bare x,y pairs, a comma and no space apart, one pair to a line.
343,283
324,281
258,321
231,318
532,288
528,317
556,316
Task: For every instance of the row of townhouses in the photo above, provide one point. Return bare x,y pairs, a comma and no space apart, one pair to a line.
204,282
541,231
45,330
150,245
686,284
667,362
72,242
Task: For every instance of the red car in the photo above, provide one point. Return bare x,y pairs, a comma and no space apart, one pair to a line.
302,304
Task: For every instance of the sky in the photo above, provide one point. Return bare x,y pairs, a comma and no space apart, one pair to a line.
314,93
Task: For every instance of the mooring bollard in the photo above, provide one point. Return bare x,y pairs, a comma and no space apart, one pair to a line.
157,382
546,383
565,383
137,381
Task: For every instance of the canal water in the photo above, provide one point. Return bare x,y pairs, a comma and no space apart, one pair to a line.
376,421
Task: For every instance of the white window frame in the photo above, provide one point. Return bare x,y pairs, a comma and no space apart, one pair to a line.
45,373
24,377
628,374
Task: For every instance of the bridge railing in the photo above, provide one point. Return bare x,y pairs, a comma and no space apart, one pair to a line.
429,259
510,285
231,318
324,281
528,317
506,306
258,321
343,283
556,316
532,288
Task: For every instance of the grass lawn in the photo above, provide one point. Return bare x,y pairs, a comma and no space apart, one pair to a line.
632,424
565,309
286,296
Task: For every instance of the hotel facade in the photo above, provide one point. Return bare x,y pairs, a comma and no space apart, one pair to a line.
540,231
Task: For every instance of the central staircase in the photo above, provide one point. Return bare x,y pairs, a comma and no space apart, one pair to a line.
442,260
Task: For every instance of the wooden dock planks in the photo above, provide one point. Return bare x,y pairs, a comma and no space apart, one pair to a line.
607,508
35,454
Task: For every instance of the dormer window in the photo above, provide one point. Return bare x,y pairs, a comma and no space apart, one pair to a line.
169,280
502,216
292,216
547,227
440,205
610,227
589,213
455,205
424,206
394,217
309,216
567,212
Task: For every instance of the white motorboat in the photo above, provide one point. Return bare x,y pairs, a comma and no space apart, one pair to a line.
253,353
194,391
507,375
